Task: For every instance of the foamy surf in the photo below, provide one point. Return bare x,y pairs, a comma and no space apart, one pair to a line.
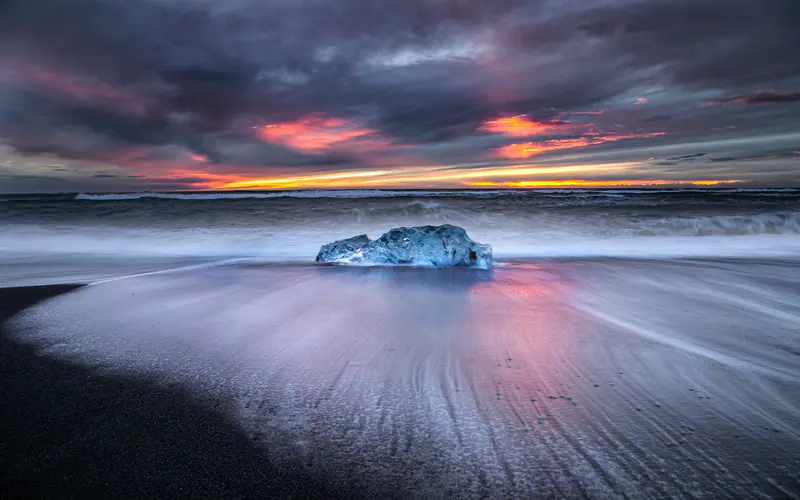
278,227
766,235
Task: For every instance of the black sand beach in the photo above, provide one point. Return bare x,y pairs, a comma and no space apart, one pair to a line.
416,249
567,379
69,432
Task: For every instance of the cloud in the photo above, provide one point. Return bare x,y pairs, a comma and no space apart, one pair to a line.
583,183
689,157
348,85
317,134
528,149
761,97
743,158
523,126
78,89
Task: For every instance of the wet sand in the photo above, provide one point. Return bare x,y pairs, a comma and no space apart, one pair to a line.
38,269
601,379
69,431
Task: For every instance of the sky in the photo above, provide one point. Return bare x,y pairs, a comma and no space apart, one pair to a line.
288,94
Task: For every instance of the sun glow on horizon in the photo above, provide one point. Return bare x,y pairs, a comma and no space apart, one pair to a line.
450,178
620,183
407,176
304,181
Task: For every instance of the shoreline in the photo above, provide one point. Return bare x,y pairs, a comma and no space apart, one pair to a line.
70,432
15,299
82,275
319,381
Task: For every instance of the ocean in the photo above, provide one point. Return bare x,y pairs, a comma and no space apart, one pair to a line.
627,344
290,226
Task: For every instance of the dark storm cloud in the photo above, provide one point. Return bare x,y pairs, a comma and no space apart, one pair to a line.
761,97
756,155
95,80
707,42
39,183
690,157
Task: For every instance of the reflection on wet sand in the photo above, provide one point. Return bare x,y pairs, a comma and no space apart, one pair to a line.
522,381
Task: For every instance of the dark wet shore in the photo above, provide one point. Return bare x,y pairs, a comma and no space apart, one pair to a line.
68,432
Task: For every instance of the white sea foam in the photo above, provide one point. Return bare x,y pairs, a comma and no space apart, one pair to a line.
116,236
302,244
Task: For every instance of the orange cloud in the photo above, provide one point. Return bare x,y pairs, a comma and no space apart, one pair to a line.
316,134
197,157
521,126
583,183
528,149
640,100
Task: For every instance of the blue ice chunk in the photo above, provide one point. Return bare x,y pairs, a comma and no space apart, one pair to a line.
422,246
349,251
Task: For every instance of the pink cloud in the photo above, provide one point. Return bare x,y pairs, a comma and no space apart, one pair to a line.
317,134
89,91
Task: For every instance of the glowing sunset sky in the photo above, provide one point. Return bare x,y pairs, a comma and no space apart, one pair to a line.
252,94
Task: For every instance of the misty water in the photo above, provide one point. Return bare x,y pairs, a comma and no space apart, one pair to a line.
291,226
627,344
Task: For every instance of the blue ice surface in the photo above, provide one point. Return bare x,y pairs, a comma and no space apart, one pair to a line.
421,246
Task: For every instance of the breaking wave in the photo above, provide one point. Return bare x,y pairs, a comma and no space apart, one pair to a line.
292,225
736,225
545,235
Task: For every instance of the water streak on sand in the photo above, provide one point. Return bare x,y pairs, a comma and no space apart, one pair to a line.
585,378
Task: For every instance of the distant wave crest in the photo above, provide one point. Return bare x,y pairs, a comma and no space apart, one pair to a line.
355,193
609,194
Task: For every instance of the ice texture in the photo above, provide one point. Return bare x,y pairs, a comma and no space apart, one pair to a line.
422,246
